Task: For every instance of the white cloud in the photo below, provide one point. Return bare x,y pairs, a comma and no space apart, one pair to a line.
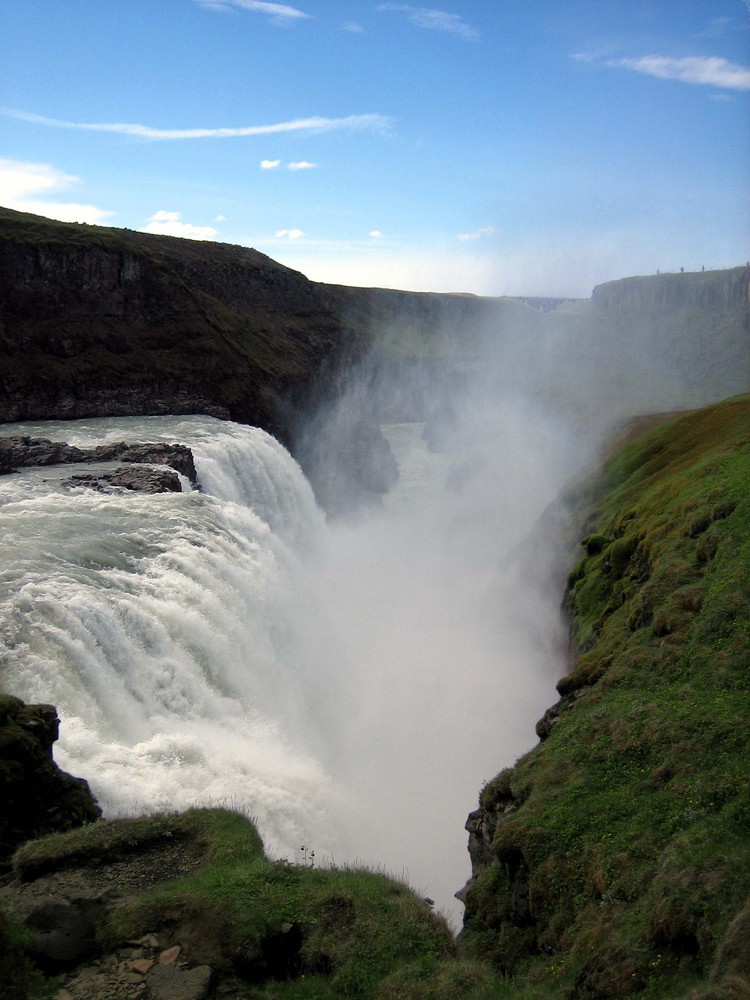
22,184
375,234
712,71
220,218
476,234
269,164
290,234
169,224
353,28
436,20
276,11
370,122
302,165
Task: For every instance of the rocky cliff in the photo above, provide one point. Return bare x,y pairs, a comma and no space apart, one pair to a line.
672,292
37,797
97,321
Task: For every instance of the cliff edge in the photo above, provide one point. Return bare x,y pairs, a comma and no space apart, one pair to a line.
612,860
102,322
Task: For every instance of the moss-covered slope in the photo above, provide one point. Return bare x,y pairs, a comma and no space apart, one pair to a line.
266,929
617,853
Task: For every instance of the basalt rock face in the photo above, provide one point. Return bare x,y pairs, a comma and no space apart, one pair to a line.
687,334
37,796
716,290
103,322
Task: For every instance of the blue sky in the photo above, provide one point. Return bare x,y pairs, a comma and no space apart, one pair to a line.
495,146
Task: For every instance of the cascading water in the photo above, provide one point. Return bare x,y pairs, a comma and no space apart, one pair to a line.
163,627
348,686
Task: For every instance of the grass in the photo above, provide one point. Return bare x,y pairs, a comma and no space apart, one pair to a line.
287,931
19,978
631,826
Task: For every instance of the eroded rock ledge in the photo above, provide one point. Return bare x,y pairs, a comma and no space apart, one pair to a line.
24,451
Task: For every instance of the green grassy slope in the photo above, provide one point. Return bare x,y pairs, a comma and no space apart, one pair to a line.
622,842
268,929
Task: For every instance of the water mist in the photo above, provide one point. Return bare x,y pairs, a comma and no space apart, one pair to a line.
349,683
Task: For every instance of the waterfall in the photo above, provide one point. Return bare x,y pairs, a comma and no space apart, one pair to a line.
168,629
348,686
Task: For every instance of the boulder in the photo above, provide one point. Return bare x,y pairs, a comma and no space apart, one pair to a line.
170,982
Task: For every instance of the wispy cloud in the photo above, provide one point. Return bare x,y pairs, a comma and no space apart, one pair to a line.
712,71
289,234
294,165
359,123
26,187
375,234
476,234
278,12
435,20
353,28
169,224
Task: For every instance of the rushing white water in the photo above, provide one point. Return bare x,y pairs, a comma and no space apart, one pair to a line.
350,687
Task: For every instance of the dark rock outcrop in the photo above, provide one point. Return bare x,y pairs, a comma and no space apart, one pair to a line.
37,796
24,451
63,926
138,478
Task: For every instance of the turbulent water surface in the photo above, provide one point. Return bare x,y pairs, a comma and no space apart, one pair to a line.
349,686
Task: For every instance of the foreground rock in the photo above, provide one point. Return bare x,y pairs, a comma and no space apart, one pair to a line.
37,797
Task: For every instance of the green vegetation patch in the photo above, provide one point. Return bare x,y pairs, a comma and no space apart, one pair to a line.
275,929
622,842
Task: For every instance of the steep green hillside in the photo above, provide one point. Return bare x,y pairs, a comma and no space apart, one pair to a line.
615,857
